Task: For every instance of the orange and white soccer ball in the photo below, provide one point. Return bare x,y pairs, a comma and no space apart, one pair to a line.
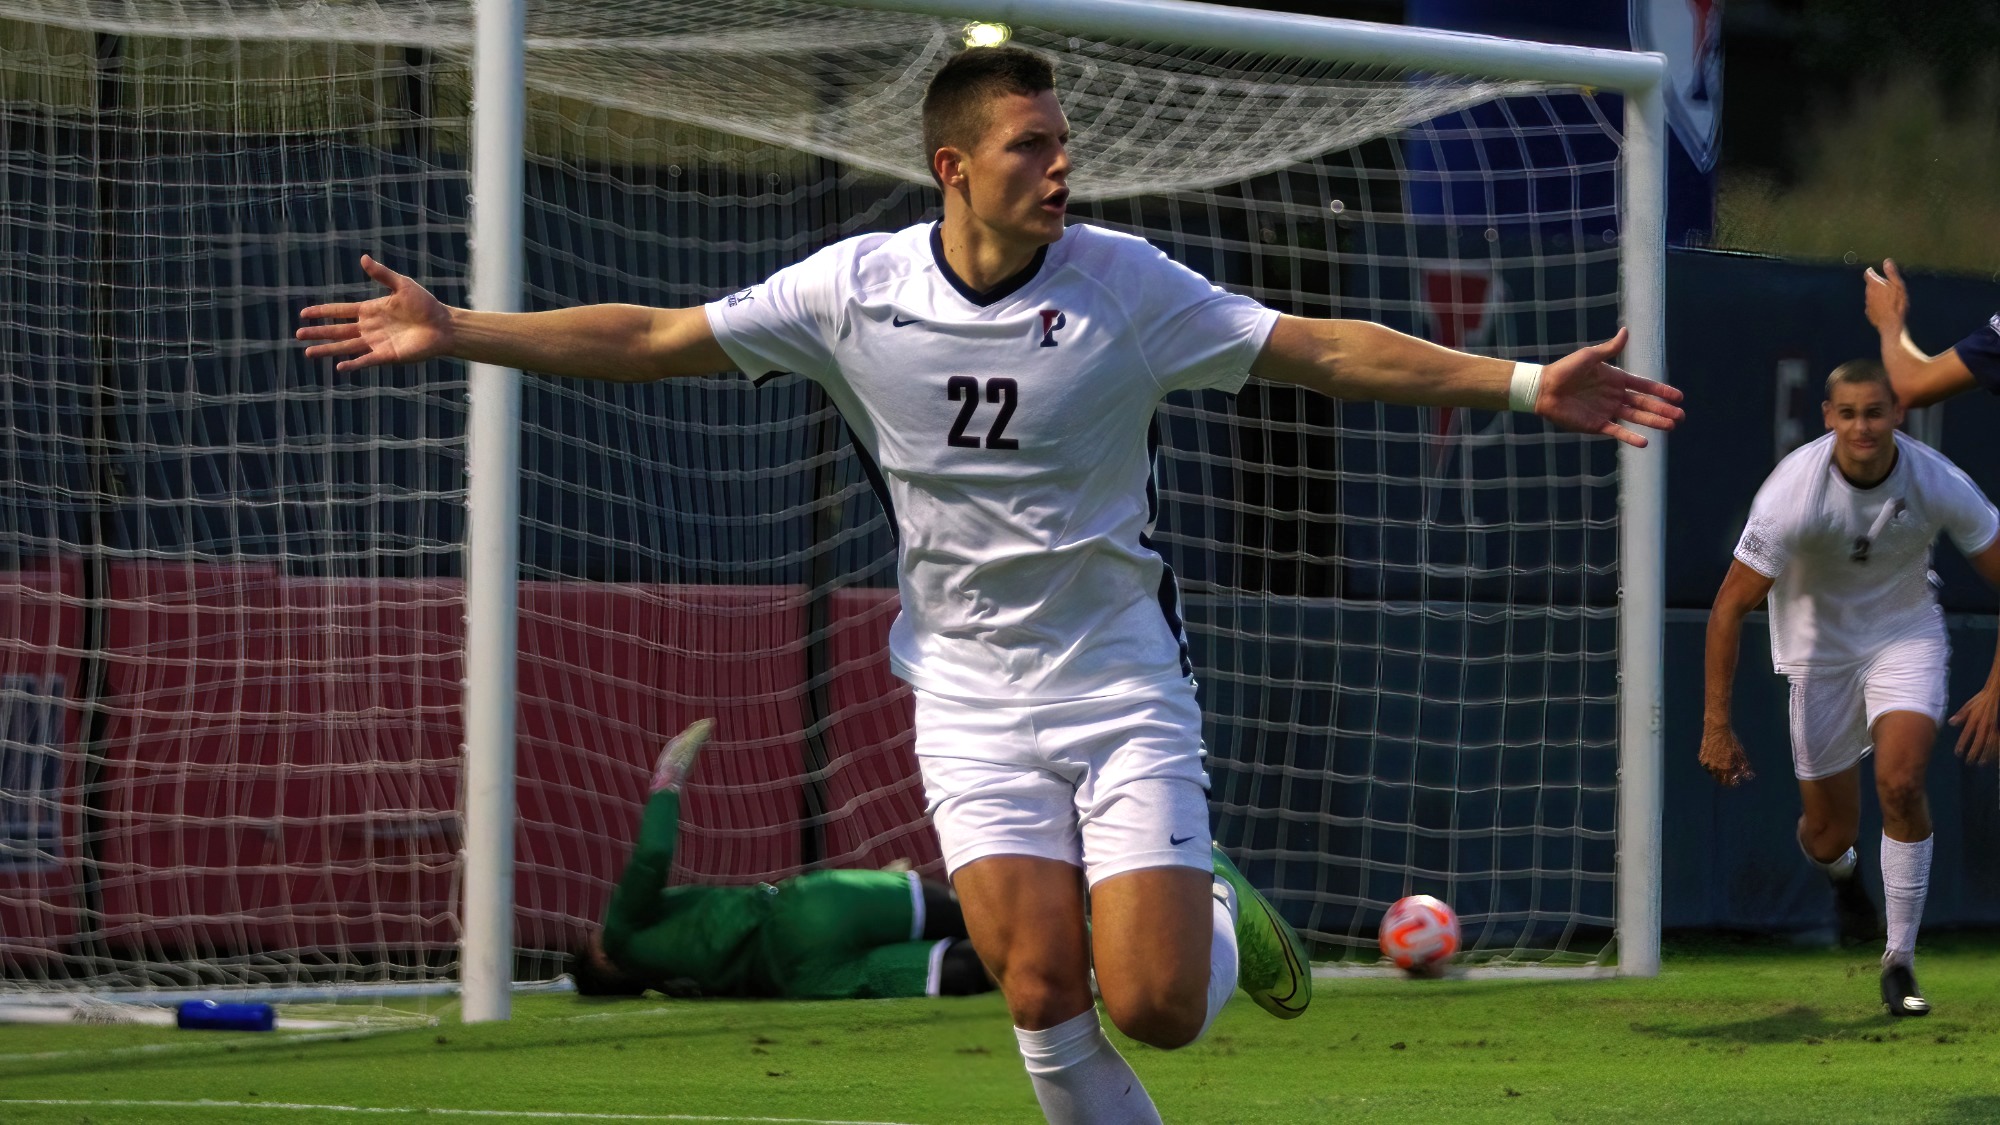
1420,934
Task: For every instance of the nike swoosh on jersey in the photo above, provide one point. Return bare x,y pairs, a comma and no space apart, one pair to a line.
1177,841
899,322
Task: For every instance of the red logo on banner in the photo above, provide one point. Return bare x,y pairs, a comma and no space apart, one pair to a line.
1689,33
1461,304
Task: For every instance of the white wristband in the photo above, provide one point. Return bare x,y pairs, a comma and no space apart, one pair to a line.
1526,385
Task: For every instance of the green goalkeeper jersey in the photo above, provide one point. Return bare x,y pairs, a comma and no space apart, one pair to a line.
706,938
826,934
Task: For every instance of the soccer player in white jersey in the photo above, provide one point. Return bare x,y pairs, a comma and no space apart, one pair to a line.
1840,537
1920,379
1001,370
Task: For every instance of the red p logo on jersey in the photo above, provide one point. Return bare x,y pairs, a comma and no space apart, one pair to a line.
1052,321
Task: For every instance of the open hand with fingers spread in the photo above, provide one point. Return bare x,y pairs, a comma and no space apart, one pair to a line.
406,325
1584,393
1722,755
1979,726
1886,298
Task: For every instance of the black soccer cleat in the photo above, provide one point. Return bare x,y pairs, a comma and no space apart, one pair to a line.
1859,922
1899,992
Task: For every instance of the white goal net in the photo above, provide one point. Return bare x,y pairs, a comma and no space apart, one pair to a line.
233,582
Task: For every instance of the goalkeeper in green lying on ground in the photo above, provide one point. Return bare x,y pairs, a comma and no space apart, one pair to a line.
825,935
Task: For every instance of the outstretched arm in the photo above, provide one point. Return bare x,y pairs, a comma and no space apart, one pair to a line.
1721,751
1919,379
1979,720
1360,360
623,343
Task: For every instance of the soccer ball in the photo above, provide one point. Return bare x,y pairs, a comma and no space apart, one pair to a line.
1420,934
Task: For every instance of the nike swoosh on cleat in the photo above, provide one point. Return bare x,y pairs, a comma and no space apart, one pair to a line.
899,322
1177,841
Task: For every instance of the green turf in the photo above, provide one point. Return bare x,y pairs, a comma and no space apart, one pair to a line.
1726,1033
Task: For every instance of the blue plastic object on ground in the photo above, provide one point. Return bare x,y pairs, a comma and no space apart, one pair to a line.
207,1015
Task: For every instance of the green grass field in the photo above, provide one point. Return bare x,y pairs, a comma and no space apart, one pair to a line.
1728,1032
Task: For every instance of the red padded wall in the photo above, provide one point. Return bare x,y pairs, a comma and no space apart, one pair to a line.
282,759
41,632
282,751
873,789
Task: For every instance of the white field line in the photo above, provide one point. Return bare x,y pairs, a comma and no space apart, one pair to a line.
554,1115
1340,971
196,1044
620,1014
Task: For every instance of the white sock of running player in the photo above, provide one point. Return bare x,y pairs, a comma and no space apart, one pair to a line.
1080,1078
1222,957
1839,869
1906,877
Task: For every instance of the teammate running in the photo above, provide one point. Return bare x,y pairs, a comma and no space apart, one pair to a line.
1000,371
1840,538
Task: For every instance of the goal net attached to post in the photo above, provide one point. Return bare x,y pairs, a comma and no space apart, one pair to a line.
232,681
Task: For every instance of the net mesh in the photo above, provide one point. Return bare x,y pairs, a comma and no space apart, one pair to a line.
229,686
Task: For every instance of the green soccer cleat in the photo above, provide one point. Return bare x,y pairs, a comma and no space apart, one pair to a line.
677,759
1271,960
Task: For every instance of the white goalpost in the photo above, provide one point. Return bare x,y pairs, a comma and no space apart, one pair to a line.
327,686
493,465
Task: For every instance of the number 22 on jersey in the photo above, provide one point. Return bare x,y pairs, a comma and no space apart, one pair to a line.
1001,392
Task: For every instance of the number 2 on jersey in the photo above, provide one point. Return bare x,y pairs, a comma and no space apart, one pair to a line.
1001,392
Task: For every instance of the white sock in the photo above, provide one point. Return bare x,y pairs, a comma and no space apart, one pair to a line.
1906,877
1221,955
1080,1078
1839,869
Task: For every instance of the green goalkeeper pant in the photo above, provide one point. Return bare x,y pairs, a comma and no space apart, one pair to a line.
827,935
836,935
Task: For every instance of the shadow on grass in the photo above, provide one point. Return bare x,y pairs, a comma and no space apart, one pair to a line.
1791,1025
1980,1107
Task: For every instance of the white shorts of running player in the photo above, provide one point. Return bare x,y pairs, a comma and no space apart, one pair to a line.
1111,785
1833,711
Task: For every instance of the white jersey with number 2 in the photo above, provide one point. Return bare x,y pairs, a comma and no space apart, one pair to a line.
1852,565
1010,434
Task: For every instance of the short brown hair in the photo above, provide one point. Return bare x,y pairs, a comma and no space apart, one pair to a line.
955,103
1860,372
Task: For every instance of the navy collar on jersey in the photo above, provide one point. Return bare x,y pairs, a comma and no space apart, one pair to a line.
1006,288
1896,449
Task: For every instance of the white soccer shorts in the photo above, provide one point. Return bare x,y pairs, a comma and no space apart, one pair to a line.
1834,711
1111,785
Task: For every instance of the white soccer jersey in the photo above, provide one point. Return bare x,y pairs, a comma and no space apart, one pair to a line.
1852,565
1010,433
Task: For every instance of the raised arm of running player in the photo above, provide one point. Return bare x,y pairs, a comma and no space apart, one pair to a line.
1919,379
1582,391
407,324
1978,720
632,343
